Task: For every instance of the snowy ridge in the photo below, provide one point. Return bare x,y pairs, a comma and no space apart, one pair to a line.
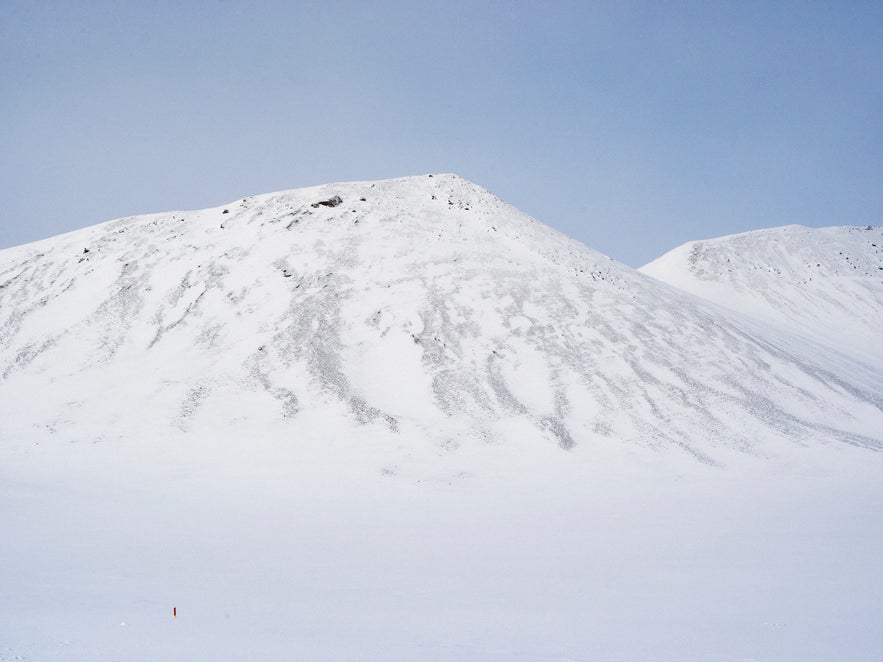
421,308
825,284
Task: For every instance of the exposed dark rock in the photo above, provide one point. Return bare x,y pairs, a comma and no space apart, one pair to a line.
330,202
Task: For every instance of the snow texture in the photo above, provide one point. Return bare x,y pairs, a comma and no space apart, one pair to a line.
401,420
825,284
418,304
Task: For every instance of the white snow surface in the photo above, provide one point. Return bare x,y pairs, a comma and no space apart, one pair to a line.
416,425
822,283
420,307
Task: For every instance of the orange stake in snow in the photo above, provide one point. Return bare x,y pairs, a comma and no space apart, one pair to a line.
174,612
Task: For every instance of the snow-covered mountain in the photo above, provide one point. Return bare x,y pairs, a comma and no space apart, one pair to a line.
426,309
825,284
401,420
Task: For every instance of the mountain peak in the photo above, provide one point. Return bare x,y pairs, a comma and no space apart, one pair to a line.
420,311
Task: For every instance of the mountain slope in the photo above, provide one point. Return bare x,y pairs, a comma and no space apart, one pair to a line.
423,309
306,431
825,284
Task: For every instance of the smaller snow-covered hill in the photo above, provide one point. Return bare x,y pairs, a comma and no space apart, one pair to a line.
825,284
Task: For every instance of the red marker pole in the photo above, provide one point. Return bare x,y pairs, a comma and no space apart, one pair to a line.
174,612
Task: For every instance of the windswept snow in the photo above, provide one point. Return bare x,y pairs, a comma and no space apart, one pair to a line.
415,424
424,307
825,284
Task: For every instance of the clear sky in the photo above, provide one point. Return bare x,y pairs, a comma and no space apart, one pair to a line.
631,126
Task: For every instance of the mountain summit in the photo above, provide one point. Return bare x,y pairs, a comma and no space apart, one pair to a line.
423,310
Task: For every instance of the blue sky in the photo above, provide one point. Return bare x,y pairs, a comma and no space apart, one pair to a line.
632,127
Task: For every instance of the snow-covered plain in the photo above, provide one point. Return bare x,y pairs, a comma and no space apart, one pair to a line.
418,424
